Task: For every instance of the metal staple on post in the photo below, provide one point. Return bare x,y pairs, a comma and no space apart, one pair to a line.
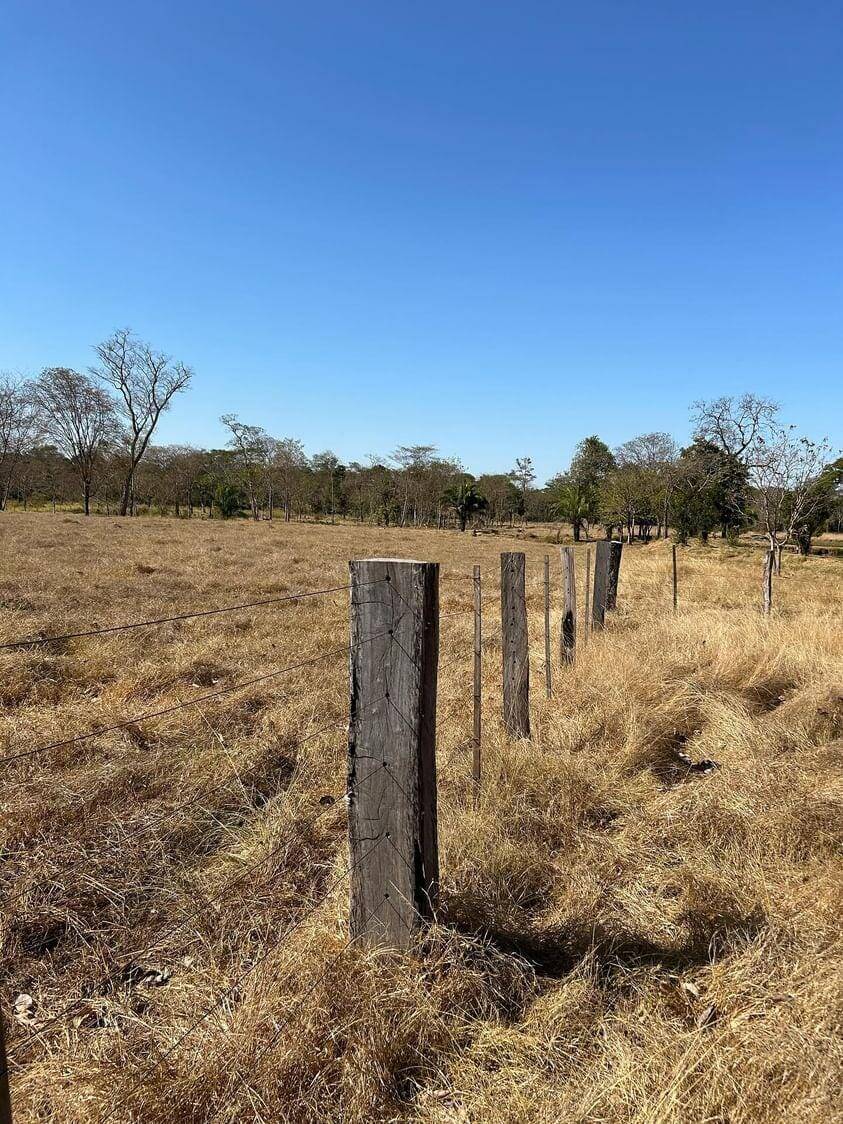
392,826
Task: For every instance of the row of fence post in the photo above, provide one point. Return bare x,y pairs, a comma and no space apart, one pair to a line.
392,808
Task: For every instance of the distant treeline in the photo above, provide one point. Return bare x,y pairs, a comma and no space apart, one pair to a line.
68,436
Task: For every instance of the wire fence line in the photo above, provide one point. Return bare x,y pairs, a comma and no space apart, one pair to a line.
300,596
112,981
203,794
231,889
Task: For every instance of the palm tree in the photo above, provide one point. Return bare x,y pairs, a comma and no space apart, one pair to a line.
464,498
576,504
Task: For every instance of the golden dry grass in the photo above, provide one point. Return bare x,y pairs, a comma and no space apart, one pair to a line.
620,940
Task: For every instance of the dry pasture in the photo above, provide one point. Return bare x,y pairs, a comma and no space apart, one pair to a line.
621,940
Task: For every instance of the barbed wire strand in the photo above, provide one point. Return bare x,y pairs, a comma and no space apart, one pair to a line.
345,649
153,823
169,932
303,594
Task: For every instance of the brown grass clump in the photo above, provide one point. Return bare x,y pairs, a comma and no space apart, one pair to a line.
622,938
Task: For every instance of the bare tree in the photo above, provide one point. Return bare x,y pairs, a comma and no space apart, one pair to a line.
81,419
288,463
146,382
654,455
19,430
783,473
734,424
251,444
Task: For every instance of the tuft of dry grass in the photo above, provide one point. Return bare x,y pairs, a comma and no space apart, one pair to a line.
621,939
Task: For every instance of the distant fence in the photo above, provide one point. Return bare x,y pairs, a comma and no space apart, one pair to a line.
391,787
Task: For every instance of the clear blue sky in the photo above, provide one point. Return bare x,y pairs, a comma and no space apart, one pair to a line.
496,227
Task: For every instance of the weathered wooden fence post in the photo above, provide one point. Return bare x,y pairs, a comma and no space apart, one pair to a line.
548,672
607,566
601,584
478,680
615,551
675,580
568,631
392,832
587,622
516,659
778,559
767,583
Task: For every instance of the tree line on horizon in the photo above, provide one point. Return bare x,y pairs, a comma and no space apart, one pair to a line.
67,435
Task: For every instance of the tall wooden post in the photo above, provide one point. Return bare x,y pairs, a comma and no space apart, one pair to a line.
778,559
478,680
675,580
568,631
601,584
516,660
767,583
615,551
392,832
607,566
548,672
587,626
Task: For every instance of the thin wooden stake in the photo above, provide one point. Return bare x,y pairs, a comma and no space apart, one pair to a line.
392,831
516,660
767,580
587,625
568,631
675,582
548,673
478,680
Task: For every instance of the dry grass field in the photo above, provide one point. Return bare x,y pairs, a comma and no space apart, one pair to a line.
621,939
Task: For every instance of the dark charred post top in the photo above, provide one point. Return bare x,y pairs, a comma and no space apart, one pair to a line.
601,583
568,632
392,830
516,660
615,551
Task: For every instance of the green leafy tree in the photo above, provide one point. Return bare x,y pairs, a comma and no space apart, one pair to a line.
592,462
712,490
573,502
464,499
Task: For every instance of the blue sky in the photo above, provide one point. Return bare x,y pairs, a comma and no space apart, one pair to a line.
495,227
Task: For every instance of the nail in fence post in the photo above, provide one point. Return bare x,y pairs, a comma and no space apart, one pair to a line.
548,673
516,660
767,587
568,632
587,623
392,831
675,587
478,680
